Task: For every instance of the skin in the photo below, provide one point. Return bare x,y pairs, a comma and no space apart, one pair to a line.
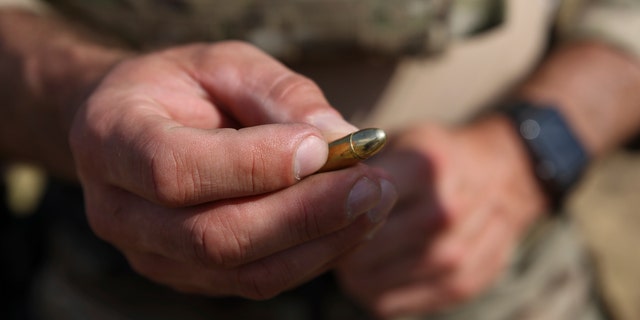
194,161
468,195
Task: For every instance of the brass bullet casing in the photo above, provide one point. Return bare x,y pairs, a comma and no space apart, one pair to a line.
353,148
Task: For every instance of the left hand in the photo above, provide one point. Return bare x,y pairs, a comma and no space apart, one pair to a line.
466,197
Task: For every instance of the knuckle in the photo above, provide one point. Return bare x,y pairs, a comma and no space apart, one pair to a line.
218,244
258,171
170,186
311,227
291,84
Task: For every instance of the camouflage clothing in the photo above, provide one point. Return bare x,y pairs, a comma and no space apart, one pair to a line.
288,29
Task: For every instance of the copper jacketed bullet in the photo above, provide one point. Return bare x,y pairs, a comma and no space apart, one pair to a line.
353,148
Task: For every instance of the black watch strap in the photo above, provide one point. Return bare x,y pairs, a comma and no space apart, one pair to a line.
558,156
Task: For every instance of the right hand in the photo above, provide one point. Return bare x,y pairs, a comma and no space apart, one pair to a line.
192,160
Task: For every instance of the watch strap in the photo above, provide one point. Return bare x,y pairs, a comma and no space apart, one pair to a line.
558,156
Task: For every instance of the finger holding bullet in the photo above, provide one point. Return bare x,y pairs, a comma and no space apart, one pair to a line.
353,148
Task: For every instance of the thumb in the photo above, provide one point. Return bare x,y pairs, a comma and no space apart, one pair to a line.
187,166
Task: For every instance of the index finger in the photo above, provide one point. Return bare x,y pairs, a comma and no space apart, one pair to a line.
241,77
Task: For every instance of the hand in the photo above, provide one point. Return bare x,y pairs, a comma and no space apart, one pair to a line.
466,197
192,162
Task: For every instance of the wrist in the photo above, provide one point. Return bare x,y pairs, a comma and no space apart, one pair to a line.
67,89
50,70
558,157
64,87
594,87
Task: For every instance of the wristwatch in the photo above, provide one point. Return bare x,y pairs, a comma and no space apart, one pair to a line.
558,157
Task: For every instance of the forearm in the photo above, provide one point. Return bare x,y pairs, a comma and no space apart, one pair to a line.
596,88
46,71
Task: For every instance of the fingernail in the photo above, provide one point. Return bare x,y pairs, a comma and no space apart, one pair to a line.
363,196
311,155
332,126
387,201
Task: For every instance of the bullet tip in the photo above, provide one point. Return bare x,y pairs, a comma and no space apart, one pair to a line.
368,142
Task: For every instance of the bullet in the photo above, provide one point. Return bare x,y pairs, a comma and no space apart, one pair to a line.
353,148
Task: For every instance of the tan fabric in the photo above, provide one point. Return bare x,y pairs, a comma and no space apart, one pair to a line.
607,210
616,22
470,75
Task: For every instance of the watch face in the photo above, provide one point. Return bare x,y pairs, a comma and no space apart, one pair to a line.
557,154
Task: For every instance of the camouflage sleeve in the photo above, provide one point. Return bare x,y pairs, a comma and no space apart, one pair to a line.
616,22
